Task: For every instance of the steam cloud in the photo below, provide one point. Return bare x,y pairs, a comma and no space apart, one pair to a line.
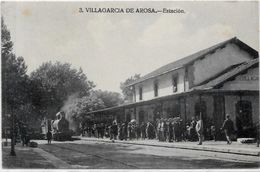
73,125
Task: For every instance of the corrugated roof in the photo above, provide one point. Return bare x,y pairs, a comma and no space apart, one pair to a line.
233,72
191,58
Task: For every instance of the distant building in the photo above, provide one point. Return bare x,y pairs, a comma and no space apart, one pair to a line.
213,82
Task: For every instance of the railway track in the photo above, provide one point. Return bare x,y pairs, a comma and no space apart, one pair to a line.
97,156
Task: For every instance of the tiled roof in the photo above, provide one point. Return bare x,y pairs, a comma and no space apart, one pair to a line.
231,73
191,58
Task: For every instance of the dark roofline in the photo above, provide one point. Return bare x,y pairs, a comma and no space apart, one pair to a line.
163,73
228,69
209,50
230,73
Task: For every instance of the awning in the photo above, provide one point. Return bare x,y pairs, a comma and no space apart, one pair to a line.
178,95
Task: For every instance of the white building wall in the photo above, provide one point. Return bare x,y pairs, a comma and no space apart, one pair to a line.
164,85
215,63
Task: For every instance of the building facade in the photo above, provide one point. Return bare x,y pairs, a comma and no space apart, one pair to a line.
220,80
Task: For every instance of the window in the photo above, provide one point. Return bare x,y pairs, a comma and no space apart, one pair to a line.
155,87
174,83
140,93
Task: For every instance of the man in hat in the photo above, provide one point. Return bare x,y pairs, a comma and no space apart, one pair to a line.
170,130
114,131
228,127
199,129
143,127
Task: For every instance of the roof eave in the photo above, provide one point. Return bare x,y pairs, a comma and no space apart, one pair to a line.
234,40
134,83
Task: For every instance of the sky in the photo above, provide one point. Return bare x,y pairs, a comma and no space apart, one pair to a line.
112,47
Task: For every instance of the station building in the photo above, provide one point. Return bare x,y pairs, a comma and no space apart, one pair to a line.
220,80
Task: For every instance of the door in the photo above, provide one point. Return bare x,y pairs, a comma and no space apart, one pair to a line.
128,117
244,119
141,116
157,112
201,107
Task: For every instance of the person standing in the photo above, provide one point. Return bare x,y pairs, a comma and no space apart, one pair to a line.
143,130
228,127
133,130
129,132
213,132
177,131
98,130
199,129
114,131
193,134
170,130
49,137
125,130
138,131
161,130
102,130
158,126
23,134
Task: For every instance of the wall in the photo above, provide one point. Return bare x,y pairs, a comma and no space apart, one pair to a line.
248,81
190,106
129,111
148,112
164,85
230,106
200,71
215,63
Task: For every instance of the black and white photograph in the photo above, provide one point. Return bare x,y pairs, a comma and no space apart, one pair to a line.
130,85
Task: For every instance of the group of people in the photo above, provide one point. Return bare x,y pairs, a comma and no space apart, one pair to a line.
171,129
122,131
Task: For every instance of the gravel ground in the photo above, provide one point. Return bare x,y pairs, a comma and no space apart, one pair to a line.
96,155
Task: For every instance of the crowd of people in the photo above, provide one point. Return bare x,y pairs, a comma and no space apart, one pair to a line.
164,130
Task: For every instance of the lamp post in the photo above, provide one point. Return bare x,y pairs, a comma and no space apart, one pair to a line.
12,153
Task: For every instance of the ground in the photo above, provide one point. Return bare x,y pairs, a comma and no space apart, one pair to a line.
105,155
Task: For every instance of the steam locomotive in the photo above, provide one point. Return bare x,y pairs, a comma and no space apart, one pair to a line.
59,127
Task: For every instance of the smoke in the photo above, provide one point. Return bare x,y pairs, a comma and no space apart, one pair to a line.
67,106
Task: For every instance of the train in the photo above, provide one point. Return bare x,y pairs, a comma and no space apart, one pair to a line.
59,127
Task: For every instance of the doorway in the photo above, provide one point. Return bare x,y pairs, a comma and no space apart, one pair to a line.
244,119
128,117
141,116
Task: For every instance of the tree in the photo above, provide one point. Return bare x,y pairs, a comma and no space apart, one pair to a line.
14,84
54,83
127,91
77,108
110,99
6,43
15,81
